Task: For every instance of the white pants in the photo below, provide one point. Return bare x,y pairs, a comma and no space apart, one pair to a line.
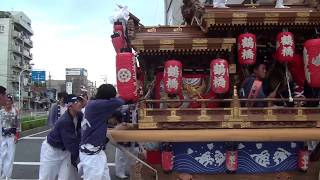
8,148
123,162
55,163
94,167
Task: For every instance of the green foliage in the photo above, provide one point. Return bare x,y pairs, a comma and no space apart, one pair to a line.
34,123
31,118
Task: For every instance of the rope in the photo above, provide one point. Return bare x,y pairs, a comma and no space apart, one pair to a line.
289,90
128,153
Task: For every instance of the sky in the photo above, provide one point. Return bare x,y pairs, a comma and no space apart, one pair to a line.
76,33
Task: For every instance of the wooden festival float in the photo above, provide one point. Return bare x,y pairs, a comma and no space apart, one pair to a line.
188,89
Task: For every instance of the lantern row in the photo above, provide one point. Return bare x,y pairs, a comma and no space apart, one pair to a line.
302,69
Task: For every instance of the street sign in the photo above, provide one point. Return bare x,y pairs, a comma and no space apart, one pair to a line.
38,76
69,87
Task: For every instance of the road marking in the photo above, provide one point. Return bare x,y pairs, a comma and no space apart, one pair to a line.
32,138
38,163
26,137
40,132
27,163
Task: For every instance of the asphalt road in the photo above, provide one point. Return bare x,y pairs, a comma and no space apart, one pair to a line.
27,157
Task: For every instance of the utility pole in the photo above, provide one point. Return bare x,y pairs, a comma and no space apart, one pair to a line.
49,82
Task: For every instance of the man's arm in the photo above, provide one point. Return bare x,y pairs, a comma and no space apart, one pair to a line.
52,115
111,104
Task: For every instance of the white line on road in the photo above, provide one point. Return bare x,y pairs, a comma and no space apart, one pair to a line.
38,163
33,138
30,136
27,163
40,132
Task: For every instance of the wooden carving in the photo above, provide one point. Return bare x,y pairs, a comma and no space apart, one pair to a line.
191,9
314,3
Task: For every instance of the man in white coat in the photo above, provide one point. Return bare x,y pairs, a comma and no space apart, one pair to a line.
10,134
3,100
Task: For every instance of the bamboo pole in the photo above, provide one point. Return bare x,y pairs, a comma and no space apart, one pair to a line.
290,134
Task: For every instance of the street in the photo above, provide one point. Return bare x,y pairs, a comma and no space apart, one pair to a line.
27,157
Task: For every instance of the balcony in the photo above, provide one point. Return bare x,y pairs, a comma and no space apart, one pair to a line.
234,113
28,42
16,64
16,49
27,54
17,35
15,79
27,67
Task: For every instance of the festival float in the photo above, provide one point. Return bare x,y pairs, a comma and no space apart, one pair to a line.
186,81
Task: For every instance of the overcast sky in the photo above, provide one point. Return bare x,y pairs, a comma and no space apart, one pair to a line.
76,33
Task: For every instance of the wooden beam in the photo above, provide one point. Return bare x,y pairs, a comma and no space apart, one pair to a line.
292,134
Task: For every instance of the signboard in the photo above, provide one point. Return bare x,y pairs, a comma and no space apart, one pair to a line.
69,87
76,72
73,72
38,76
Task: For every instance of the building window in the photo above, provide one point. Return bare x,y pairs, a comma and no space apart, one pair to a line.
1,28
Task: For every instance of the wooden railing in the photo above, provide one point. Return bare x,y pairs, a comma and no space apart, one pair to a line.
230,113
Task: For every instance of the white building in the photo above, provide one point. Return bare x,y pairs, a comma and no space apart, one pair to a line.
172,12
173,7
15,56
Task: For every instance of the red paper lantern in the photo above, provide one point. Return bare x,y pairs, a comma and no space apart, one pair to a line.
118,27
172,77
118,42
167,159
232,160
285,47
126,76
296,69
247,49
303,161
219,76
154,157
311,57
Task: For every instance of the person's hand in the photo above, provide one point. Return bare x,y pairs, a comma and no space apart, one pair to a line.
122,126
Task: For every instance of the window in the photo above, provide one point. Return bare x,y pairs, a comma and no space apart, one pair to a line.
1,28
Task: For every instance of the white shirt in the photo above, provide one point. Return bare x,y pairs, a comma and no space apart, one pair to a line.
63,109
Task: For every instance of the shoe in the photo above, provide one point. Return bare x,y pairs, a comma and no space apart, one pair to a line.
121,176
220,5
279,4
282,6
